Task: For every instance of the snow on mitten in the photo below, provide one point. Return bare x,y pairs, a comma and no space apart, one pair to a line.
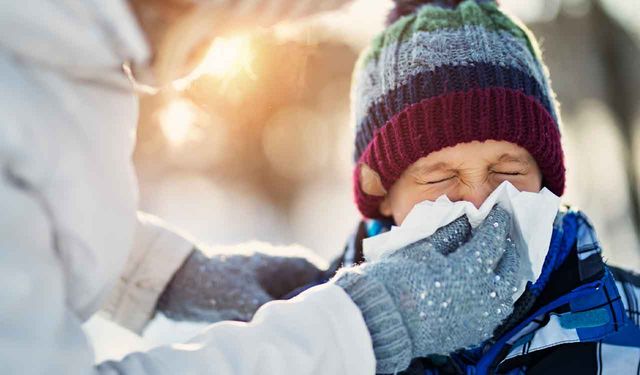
442,293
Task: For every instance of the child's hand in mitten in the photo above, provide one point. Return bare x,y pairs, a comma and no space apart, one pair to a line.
448,291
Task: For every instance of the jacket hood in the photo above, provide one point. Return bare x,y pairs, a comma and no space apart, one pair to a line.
75,35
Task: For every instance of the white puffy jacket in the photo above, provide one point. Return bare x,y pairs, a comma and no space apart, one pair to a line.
68,238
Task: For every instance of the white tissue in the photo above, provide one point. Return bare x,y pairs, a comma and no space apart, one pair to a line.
532,216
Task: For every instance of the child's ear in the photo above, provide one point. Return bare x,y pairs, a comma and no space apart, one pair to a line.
370,182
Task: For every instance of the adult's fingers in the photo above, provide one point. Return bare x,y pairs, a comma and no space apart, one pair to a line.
508,268
281,275
420,252
212,288
453,235
489,239
444,241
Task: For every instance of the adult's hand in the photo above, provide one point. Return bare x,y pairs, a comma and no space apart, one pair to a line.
232,285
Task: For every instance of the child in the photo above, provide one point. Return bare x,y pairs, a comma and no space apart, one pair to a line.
453,98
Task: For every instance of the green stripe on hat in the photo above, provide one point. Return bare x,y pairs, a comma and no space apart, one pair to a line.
432,18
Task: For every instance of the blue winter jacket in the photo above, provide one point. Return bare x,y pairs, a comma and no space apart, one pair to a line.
580,317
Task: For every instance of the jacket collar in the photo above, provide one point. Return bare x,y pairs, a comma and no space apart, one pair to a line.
578,301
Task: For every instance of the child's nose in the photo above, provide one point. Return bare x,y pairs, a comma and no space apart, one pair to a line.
476,194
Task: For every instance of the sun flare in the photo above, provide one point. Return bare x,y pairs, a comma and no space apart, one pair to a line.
227,57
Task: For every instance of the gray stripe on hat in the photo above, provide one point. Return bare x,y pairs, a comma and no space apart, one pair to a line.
426,51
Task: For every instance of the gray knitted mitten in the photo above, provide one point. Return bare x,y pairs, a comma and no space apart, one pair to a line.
442,293
233,286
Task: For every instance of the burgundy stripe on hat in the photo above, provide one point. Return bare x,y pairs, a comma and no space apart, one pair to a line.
432,124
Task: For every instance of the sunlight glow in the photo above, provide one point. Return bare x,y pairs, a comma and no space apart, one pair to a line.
227,57
177,121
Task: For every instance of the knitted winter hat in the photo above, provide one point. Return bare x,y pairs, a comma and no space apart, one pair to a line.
449,72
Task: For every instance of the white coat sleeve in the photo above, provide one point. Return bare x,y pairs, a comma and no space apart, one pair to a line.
320,331
157,252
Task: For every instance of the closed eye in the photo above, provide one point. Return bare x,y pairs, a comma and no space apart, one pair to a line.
508,173
437,181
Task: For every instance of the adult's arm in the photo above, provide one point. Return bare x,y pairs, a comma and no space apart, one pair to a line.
229,284
321,331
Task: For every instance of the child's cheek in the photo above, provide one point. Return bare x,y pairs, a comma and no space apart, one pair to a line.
403,203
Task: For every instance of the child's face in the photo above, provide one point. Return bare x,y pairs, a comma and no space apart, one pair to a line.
466,171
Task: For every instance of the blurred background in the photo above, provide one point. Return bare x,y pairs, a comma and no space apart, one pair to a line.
259,146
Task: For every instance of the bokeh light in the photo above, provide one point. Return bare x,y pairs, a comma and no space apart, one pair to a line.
227,57
296,142
177,121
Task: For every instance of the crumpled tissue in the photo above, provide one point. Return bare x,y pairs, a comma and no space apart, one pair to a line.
532,217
